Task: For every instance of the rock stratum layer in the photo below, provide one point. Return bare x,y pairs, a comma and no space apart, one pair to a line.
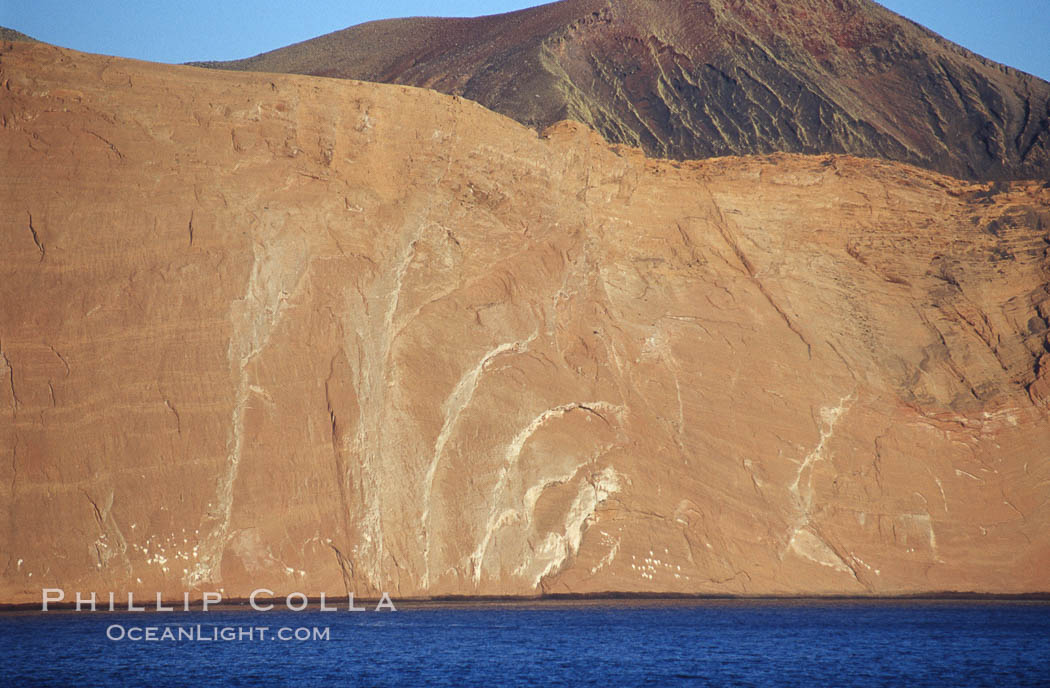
694,80
321,335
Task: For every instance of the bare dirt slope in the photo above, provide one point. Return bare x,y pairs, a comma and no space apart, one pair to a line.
315,335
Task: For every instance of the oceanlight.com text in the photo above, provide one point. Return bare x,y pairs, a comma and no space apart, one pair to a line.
208,633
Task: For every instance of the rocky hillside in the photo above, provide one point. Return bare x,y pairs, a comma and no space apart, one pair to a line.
12,35
691,80
313,335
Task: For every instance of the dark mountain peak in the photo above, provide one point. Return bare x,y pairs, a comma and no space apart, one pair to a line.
695,79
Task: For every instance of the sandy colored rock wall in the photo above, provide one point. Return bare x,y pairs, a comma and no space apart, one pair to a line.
321,335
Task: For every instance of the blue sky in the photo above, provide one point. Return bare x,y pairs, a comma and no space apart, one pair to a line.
1016,32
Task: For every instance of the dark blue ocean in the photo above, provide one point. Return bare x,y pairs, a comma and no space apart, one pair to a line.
733,643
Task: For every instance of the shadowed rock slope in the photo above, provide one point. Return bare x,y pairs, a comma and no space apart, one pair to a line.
693,80
311,335
7,34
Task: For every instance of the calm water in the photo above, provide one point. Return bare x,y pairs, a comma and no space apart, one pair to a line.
571,644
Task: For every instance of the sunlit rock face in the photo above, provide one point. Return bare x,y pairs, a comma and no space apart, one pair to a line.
304,334
694,79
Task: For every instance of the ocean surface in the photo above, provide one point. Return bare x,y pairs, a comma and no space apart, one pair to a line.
619,643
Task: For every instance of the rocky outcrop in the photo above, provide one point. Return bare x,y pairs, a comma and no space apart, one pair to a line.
7,34
694,80
313,335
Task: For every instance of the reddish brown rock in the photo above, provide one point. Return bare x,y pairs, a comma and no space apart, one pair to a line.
322,335
701,78
1040,389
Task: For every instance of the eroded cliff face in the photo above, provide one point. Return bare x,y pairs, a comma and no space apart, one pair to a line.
332,336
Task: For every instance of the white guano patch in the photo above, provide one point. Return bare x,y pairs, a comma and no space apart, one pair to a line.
277,270
609,557
802,540
556,548
497,515
810,546
460,398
